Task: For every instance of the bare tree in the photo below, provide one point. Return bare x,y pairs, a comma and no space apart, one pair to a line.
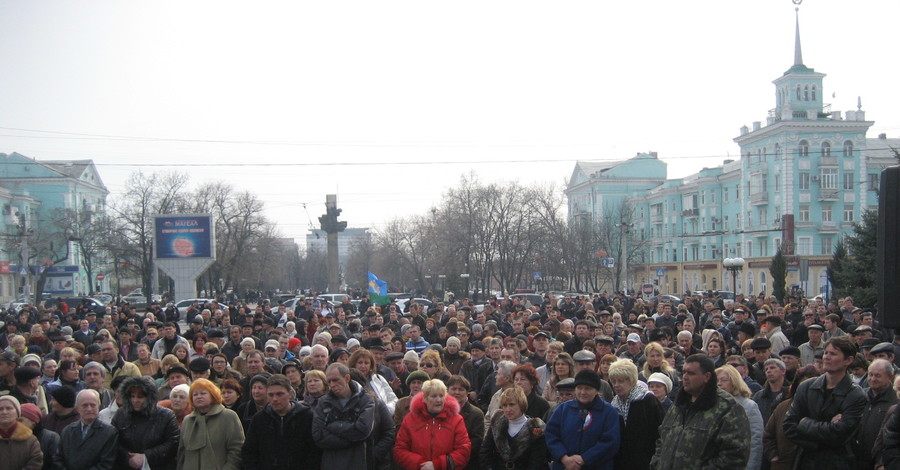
157,193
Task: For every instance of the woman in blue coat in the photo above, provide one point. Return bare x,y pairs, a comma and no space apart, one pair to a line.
584,430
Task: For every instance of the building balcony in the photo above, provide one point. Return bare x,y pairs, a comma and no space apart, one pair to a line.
828,162
828,194
829,226
759,198
656,219
690,212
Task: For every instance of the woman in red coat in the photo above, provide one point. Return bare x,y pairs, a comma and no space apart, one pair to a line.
433,435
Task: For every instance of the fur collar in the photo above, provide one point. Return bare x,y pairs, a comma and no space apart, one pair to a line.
705,401
533,428
21,433
451,406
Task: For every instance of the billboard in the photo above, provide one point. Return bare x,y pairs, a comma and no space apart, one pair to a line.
184,236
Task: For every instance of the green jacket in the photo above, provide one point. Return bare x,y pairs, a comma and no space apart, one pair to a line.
710,433
212,441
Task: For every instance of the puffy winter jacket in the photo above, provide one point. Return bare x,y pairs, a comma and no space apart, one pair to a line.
151,430
423,438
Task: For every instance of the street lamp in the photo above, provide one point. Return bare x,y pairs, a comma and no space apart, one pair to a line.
734,265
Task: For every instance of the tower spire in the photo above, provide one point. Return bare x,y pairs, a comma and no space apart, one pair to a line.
798,53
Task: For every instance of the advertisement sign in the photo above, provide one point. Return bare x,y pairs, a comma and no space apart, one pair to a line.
183,236
59,284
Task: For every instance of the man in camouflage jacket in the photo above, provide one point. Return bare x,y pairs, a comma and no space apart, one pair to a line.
706,428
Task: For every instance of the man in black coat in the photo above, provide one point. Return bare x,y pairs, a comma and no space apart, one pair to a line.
280,435
88,442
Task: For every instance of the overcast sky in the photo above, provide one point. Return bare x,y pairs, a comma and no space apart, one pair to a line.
387,104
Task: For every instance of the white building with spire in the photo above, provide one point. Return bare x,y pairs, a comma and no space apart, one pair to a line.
805,175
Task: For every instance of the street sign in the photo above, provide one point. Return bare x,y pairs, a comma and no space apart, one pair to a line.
661,272
537,275
101,276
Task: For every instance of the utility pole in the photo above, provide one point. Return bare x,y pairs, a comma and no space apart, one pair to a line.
331,226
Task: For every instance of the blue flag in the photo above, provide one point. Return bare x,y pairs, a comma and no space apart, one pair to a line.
378,291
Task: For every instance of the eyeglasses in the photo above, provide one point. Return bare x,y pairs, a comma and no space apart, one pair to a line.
427,365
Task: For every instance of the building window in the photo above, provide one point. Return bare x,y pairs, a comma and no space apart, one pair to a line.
803,184
874,181
814,93
702,197
737,192
749,249
725,195
806,93
848,181
803,148
803,216
777,151
777,183
826,213
826,246
763,248
848,148
804,246
740,220
799,93
725,227
826,149
848,213
763,216
829,178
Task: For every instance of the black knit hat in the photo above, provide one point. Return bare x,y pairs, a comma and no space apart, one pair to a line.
589,378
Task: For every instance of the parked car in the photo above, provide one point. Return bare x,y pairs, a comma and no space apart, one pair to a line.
184,305
73,302
533,299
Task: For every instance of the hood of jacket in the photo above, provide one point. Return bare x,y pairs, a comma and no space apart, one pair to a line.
146,385
417,405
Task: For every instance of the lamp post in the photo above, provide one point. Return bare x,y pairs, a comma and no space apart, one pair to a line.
734,265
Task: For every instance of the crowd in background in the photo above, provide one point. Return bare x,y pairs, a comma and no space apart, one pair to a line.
575,382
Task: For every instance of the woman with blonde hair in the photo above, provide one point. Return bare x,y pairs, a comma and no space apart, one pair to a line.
212,435
641,415
655,361
514,440
431,364
433,434
729,380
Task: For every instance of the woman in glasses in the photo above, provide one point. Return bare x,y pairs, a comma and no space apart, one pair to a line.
431,364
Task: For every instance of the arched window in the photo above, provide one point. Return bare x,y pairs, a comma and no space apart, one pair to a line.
777,151
803,149
848,148
813,92
826,149
806,93
799,93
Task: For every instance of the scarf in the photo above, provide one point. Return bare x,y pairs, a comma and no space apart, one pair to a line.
622,406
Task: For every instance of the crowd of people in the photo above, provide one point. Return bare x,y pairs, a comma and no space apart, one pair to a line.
575,383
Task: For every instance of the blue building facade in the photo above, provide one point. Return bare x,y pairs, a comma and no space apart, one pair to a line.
32,194
803,177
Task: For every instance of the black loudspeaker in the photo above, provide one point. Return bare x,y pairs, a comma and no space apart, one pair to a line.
888,255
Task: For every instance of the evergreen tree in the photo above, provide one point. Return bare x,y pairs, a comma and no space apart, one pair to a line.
778,271
838,265
854,270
